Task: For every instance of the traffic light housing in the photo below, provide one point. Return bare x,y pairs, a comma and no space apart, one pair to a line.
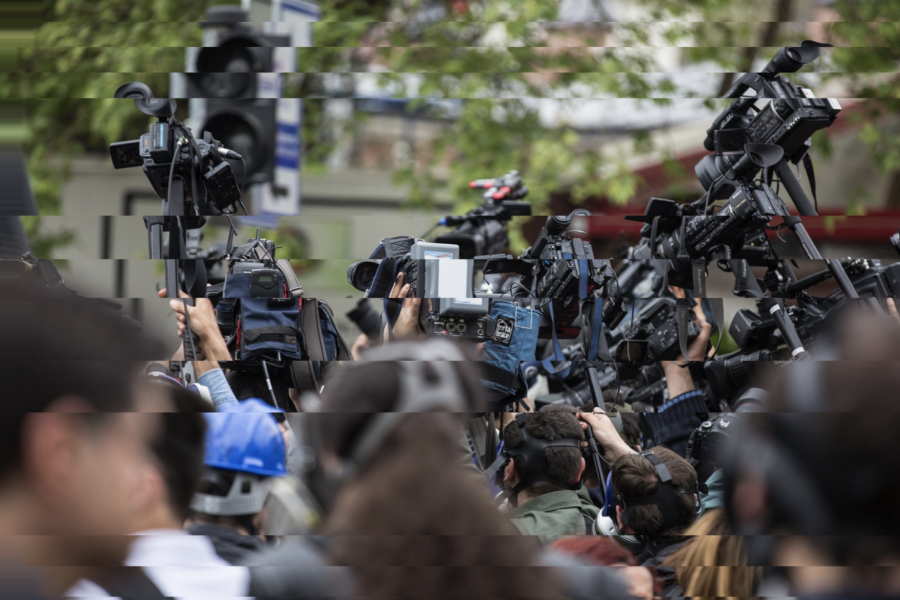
225,75
248,128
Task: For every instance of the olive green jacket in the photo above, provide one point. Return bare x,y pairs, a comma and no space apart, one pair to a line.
554,515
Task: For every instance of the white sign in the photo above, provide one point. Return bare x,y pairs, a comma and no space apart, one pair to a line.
282,196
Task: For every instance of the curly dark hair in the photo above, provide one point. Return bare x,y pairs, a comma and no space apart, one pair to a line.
552,422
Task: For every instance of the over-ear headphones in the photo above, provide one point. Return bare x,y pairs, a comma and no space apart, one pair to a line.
666,498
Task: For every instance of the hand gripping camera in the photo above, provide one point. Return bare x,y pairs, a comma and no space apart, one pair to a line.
655,333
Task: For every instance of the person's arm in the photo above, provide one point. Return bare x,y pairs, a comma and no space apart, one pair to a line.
605,433
678,377
214,379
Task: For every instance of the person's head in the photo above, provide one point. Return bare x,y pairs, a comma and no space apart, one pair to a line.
245,453
403,500
176,451
596,550
636,476
71,445
397,387
713,564
817,476
563,465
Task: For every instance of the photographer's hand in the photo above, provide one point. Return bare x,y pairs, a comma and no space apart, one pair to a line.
203,324
361,344
605,433
407,325
892,309
678,379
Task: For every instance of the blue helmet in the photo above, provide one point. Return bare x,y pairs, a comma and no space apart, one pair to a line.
244,437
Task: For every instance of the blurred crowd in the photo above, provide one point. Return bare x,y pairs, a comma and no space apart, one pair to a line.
119,480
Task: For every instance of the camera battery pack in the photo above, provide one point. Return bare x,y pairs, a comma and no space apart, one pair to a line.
159,143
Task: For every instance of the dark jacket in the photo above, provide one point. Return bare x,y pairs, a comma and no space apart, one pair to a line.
229,544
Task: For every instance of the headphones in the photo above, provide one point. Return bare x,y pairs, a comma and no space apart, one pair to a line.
666,498
532,450
417,392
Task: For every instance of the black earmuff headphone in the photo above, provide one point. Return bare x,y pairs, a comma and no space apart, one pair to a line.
666,497
532,450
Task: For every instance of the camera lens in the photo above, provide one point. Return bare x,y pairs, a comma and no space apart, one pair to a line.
362,273
557,224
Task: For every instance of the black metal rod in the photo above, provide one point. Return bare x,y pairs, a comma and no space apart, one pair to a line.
801,200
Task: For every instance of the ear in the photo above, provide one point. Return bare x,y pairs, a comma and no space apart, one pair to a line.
151,489
509,472
619,517
580,471
50,447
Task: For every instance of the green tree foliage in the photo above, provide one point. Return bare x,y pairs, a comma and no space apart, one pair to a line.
478,65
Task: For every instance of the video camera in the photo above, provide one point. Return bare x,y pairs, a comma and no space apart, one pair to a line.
654,332
485,230
788,121
559,269
434,272
191,176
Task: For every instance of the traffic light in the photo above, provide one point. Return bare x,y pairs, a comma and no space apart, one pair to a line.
226,74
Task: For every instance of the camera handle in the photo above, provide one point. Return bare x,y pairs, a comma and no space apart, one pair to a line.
176,263
775,307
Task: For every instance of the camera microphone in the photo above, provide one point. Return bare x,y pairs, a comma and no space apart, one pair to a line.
229,153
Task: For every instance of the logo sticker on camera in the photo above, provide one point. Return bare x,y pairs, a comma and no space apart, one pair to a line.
504,330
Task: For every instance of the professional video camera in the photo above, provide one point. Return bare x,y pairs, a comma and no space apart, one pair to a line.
485,230
692,235
434,272
730,374
559,270
268,324
655,333
189,175
259,292
788,121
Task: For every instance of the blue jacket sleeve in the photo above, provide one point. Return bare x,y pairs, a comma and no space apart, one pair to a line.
218,387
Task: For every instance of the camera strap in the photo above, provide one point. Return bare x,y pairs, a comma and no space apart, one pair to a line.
598,348
683,317
811,173
195,278
583,278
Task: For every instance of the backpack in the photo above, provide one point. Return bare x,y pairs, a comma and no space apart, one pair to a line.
302,331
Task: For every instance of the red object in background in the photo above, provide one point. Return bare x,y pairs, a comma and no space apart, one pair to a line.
459,7
875,227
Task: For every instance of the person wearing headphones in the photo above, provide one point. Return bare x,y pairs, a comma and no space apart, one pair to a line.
245,453
542,474
652,498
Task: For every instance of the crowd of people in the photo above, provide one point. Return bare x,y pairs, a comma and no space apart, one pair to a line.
118,480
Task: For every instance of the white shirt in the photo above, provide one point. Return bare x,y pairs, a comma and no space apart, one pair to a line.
180,565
